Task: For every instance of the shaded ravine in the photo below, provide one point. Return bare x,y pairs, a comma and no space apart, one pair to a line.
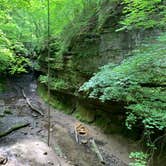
27,146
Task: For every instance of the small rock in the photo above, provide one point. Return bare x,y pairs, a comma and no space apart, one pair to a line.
16,155
39,131
69,162
42,136
51,129
45,153
2,115
84,141
34,115
3,160
2,102
50,163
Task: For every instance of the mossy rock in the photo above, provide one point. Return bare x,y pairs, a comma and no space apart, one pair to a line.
2,85
84,114
1,115
8,111
53,100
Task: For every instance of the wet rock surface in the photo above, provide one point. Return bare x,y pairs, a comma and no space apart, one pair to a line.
28,146
30,152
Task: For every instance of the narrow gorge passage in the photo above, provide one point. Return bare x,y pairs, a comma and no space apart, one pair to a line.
88,74
27,146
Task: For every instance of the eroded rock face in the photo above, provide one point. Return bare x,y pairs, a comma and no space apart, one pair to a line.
29,152
90,49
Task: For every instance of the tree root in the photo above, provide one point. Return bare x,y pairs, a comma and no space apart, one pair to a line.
14,128
30,105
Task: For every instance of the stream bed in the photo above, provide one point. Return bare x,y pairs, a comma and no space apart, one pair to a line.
28,146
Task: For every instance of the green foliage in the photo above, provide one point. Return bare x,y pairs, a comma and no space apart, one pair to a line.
143,14
5,59
19,65
12,64
9,61
4,41
140,159
55,84
12,50
78,21
53,100
19,48
2,85
43,79
139,81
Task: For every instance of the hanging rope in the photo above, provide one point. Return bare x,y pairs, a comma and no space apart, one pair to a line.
48,72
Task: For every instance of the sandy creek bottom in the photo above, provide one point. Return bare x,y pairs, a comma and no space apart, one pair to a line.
28,146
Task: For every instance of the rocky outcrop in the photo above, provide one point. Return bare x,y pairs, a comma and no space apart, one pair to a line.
98,44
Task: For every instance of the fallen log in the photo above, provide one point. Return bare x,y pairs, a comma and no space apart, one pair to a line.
14,128
96,150
30,105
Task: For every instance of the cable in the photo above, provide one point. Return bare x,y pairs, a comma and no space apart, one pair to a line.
48,72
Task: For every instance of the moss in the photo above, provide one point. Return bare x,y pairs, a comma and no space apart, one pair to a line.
104,124
84,114
107,122
2,85
54,102
81,111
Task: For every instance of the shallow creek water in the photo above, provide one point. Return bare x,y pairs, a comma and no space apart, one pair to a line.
28,146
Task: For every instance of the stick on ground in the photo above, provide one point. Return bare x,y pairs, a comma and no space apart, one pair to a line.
30,105
76,135
13,128
96,150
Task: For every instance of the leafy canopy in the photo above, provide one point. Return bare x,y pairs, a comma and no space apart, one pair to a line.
143,14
